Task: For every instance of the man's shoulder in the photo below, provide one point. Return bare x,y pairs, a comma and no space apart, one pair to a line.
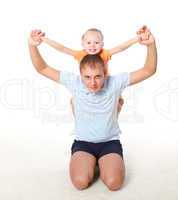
119,77
69,76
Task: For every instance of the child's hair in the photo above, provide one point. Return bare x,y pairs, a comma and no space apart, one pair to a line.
94,30
93,61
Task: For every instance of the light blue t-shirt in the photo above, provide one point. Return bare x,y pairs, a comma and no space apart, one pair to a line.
96,115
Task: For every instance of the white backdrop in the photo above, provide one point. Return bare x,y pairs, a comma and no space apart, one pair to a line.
32,105
26,98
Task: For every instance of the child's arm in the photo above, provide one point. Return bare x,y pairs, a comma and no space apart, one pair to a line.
59,46
123,46
38,62
150,65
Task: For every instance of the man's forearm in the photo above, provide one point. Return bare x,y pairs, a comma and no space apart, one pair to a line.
36,58
151,59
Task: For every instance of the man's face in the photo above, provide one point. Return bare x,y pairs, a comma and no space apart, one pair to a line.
93,78
92,42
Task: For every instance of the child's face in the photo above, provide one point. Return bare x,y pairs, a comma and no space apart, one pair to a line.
93,78
92,42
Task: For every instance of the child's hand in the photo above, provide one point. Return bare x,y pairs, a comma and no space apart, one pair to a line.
148,41
35,38
145,36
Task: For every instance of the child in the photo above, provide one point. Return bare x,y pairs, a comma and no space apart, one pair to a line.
95,102
92,43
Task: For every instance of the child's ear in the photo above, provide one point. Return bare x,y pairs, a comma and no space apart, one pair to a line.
82,43
102,44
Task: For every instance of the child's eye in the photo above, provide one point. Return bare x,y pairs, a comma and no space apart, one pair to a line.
96,42
88,42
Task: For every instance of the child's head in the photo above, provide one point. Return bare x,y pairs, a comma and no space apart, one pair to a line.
93,72
92,41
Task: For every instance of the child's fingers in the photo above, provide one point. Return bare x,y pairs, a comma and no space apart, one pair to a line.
41,34
141,30
144,27
144,35
38,31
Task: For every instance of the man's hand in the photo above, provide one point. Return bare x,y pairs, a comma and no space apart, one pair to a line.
145,36
35,38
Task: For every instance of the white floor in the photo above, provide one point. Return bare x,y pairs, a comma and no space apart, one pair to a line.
34,166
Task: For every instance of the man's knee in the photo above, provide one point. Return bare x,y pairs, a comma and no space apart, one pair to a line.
114,183
80,182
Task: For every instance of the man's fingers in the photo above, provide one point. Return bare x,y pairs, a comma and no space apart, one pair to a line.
36,34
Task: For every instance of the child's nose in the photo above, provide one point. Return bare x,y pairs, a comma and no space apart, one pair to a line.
93,44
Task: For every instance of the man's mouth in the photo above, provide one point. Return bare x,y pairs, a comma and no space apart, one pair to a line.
93,88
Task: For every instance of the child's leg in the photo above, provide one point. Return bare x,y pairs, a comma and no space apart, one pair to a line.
82,168
120,104
112,170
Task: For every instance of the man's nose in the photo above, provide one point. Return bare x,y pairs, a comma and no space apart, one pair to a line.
93,82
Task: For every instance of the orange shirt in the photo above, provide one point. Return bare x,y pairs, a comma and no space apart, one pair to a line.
104,54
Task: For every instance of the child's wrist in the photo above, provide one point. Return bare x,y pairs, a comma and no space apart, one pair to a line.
44,39
137,38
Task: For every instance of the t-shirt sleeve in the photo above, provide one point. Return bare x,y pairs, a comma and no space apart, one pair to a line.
105,55
69,80
122,80
78,55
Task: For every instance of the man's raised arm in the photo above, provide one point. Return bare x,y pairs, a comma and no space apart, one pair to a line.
37,60
150,65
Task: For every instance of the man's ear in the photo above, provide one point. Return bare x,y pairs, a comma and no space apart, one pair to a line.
105,72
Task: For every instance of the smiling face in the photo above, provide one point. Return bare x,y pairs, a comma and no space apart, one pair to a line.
92,42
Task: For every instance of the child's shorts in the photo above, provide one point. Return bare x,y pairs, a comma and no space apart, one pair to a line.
98,149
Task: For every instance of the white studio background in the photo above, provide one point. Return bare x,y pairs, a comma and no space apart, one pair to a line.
24,94
33,105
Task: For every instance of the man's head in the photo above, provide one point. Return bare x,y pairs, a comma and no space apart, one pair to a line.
92,41
93,72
